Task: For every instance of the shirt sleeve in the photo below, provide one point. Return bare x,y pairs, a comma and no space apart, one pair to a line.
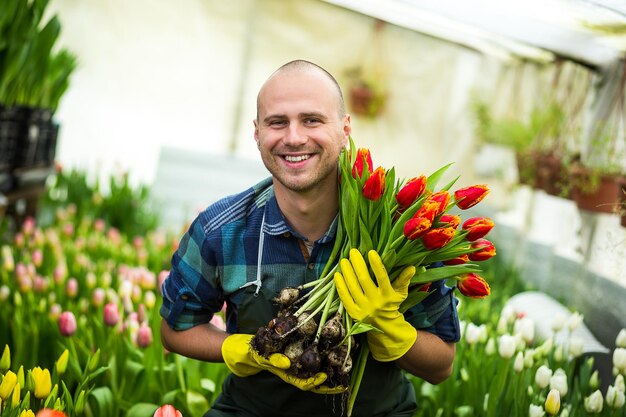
437,314
188,297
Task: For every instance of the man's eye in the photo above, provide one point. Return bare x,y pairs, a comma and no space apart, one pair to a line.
312,121
277,123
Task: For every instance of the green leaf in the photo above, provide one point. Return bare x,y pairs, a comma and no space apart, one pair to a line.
413,299
196,403
142,410
434,178
435,274
101,402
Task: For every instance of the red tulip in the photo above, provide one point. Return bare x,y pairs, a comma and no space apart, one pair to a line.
67,323
442,198
46,412
438,238
167,410
374,186
470,196
486,250
425,287
363,156
473,285
411,191
415,227
477,227
462,259
450,220
428,210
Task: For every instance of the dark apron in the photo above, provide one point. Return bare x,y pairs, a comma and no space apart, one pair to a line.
384,390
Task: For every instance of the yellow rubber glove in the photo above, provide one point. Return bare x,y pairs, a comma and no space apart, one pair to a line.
377,305
243,361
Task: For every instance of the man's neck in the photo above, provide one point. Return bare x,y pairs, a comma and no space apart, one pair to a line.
309,214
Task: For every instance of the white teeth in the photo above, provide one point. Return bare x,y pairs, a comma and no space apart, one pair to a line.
297,158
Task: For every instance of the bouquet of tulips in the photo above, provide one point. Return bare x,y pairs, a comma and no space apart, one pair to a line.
408,223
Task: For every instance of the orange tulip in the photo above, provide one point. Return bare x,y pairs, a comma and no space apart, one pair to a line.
450,220
473,285
438,238
374,186
167,410
415,227
486,250
428,210
470,196
442,198
411,191
46,412
462,259
477,227
363,156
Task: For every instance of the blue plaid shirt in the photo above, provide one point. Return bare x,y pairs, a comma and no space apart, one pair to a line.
219,254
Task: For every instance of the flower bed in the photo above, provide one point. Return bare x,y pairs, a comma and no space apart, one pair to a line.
79,331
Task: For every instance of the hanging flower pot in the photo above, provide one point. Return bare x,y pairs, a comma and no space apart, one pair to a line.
366,100
594,191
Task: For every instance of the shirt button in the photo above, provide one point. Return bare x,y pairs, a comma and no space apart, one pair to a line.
311,266
286,234
184,297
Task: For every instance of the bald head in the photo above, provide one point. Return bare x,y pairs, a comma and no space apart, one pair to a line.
303,66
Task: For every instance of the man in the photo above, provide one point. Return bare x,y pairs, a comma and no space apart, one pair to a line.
245,248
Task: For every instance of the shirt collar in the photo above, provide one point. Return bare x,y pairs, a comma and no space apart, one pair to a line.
275,223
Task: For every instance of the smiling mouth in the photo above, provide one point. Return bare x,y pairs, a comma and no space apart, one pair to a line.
299,158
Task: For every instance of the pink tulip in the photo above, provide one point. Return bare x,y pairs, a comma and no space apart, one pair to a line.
167,411
111,314
67,323
144,336
71,288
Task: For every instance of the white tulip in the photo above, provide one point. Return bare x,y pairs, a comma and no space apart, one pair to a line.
472,334
619,383
503,325
529,360
525,327
574,320
553,402
614,397
594,381
542,376
619,359
576,347
558,381
558,322
506,346
594,402
620,340
518,365
558,353
490,349
536,411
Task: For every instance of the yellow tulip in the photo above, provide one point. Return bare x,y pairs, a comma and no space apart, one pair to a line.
61,364
5,360
7,384
43,382
27,413
17,391
553,402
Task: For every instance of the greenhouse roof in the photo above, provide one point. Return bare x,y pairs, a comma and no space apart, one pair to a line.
590,32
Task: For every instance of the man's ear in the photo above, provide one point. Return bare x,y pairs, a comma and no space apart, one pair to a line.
256,133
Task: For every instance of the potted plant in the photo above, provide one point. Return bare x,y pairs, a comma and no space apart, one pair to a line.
595,180
366,94
536,141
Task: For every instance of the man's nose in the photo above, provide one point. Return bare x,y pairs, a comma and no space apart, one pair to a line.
295,135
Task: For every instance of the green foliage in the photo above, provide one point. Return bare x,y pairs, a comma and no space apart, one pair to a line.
32,73
122,206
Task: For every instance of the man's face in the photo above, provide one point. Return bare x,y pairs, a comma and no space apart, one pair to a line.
299,130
